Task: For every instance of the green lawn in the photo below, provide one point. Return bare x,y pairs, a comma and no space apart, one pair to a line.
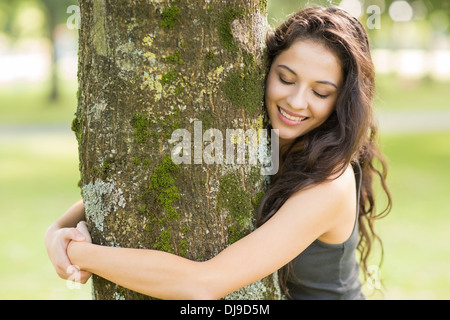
38,181
416,233
394,93
28,103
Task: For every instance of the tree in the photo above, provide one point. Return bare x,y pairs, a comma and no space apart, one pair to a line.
146,69
54,11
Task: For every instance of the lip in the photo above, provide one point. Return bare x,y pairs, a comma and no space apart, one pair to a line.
289,121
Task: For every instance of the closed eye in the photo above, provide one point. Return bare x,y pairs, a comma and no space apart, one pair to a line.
321,96
285,82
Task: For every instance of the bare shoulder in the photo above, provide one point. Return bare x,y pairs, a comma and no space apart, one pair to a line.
342,197
337,186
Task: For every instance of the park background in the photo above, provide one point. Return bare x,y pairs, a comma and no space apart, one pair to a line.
39,161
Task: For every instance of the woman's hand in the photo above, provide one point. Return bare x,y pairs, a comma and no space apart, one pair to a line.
56,242
83,229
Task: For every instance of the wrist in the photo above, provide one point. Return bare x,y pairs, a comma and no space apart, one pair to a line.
75,251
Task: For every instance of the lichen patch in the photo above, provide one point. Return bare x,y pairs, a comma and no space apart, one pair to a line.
101,199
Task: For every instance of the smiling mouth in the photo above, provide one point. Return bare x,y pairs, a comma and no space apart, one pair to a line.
290,117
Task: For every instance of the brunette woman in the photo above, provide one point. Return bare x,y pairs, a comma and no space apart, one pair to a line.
320,207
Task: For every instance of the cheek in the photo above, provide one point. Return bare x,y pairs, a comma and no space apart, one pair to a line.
273,89
324,113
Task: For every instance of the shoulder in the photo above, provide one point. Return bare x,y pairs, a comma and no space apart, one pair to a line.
333,189
326,205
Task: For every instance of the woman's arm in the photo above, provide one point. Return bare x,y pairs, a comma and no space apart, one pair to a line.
58,236
302,219
71,217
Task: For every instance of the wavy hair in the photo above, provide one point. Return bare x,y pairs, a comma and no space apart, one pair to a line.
348,135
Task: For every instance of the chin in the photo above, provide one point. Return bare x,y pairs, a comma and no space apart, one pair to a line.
289,134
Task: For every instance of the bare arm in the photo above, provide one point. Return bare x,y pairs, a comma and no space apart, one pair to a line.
59,235
71,217
302,219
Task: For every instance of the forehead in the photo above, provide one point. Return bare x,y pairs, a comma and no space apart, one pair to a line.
310,58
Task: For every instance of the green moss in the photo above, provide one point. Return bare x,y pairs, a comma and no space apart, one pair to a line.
256,201
162,182
170,17
76,127
106,166
245,89
136,161
140,124
179,91
174,58
210,61
263,6
164,242
183,246
206,117
168,78
224,27
146,163
237,201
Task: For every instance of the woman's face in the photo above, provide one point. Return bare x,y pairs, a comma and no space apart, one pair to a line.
302,88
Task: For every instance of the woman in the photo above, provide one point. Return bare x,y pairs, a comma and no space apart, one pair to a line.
320,205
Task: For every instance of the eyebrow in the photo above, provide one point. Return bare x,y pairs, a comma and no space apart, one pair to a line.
320,81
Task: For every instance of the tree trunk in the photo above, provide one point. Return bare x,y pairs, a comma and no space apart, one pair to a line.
146,69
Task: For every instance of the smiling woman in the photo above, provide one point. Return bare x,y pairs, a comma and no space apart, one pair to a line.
302,88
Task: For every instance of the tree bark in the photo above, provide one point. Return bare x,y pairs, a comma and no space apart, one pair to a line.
146,69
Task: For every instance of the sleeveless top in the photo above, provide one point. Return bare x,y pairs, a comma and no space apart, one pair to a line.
328,271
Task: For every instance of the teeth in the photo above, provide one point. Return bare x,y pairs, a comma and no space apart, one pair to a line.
291,117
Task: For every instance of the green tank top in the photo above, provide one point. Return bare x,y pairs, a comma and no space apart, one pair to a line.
328,271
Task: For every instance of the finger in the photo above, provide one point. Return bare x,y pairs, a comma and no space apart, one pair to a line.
76,234
84,276
62,268
82,225
75,274
83,228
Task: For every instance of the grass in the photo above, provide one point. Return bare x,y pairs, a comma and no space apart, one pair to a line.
416,237
38,177
395,93
28,103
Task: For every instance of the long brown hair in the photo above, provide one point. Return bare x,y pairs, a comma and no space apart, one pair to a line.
349,134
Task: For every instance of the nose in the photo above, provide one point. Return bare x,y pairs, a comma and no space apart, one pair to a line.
297,99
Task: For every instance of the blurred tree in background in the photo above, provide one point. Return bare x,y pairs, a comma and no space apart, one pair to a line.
36,18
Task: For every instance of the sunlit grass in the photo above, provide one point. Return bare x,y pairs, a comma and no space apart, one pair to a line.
38,181
24,103
401,94
415,234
